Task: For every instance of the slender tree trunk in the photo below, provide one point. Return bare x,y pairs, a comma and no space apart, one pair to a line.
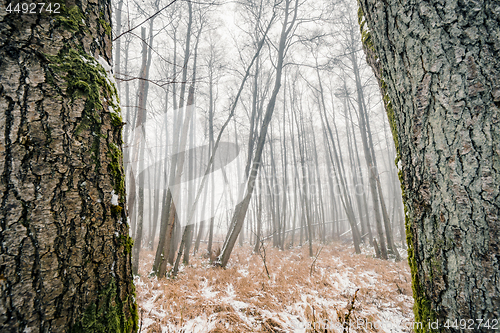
241,208
285,178
157,201
372,179
175,237
241,238
259,218
362,183
354,169
167,227
296,173
211,150
320,189
305,192
202,223
201,230
140,147
118,44
273,196
373,170
141,119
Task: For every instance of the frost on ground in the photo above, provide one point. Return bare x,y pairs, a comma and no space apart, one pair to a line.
298,296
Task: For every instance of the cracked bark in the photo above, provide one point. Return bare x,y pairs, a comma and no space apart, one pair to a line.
61,238
440,63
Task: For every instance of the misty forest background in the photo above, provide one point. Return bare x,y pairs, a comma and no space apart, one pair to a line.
285,87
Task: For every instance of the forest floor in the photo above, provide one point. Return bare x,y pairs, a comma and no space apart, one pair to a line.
300,295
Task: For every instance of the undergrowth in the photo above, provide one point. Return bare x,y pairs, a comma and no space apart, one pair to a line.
244,298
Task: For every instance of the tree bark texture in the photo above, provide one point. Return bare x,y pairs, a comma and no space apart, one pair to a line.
64,246
439,67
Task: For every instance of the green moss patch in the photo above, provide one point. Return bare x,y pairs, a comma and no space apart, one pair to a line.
85,77
422,306
116,169
71,19
127,242
366,37
105,25
107,314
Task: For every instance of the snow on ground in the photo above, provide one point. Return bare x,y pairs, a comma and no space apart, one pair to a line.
298,296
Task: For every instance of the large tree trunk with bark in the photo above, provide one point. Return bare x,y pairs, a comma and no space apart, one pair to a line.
65,251
439,67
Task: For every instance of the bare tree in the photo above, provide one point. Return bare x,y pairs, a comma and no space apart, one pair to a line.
290,15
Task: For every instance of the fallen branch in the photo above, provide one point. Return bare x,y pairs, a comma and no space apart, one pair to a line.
314,261
262,254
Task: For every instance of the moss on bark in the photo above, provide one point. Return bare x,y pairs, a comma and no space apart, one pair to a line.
86,77
127,242
71,19
107,315
117,170
422,306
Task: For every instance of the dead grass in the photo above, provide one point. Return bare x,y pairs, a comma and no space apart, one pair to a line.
296,298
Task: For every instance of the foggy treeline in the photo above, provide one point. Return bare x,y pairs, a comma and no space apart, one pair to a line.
252,122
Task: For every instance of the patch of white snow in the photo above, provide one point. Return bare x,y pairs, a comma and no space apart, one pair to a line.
114,198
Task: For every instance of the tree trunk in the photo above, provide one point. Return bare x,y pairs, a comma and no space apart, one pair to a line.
259,218
65,255
373,170
321,207
371,178
241,208
285,175
211,151
341,181
362,183
169,218
118,44
305,187
365,227
440,75
140,146
156,201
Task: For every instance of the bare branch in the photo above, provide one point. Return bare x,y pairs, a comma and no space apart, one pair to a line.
149,18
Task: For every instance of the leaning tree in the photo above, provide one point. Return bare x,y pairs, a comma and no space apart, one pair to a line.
438,64
64,246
